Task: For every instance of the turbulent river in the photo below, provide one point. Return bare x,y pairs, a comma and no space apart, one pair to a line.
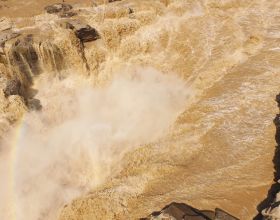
173,102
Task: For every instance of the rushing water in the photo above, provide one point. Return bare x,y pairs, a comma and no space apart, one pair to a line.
177,104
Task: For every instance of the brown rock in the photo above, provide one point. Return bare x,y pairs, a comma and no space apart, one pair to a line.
5,36
222,215
24,56
34,104
57,8
13,88
84,32
181,211
113,1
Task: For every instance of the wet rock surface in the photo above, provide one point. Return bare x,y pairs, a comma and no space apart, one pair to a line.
222,215
13,87
24,56
61,9
58,8
181,211
84,32
34,104
272,211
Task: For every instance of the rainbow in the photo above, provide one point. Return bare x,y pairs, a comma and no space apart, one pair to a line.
14,151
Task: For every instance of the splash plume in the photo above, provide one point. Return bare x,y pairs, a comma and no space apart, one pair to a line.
78,139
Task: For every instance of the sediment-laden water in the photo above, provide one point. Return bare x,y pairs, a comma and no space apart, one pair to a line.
173,101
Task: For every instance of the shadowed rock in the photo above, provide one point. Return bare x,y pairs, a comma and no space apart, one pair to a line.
272,203
57,8
269,212
13,88
34,104
84,32
222,215
181,211
113,1
25,57
277,99
130,11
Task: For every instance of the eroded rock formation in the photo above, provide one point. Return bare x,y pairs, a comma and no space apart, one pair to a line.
13,87
181,211
272,212
84,32
58,8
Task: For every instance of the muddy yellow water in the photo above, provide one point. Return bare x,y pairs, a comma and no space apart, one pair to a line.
218,152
